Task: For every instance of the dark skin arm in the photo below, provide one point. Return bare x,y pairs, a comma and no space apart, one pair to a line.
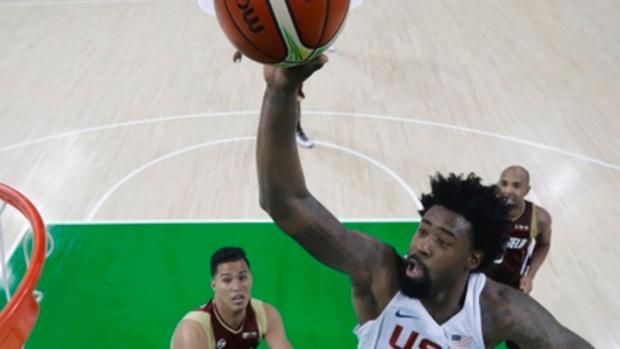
543,244
370,264
509,314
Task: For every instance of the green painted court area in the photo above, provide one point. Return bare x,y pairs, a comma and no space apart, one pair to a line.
127,285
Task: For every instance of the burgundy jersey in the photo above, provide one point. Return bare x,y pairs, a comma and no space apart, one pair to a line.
518,250
222,336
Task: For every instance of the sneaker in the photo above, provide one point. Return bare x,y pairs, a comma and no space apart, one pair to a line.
303,140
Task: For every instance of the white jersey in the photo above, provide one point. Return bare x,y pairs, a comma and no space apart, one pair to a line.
405,323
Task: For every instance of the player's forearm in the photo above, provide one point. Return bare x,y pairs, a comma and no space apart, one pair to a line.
280,176
574,341
579,343
279,344
538,257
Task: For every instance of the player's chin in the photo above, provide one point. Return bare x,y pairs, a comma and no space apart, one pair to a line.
238,307
415,290
415,287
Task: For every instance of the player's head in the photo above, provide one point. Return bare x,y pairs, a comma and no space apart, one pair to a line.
514,184
231,278
462,230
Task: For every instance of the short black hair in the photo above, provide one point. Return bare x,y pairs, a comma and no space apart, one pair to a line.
482,205
225,255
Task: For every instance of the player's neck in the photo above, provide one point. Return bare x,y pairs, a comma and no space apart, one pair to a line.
231,319
445,304
517,211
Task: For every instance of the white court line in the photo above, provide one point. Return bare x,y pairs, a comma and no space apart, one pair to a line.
125,124
177,152
321,113
154,162
223,221
18,240
474,131
385,169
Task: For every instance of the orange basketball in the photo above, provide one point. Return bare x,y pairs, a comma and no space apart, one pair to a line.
281,32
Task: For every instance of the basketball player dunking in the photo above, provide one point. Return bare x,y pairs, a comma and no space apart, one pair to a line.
433,298
231,320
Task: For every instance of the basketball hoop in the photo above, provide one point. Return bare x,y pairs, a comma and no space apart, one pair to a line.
19,315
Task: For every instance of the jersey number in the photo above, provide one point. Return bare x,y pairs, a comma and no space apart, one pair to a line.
424,344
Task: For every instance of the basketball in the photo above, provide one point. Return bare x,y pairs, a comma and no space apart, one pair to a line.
281,32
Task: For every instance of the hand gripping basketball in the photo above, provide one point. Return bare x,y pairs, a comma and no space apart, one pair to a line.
282,32
292,77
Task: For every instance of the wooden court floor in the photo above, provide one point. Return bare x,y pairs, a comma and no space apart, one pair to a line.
133,110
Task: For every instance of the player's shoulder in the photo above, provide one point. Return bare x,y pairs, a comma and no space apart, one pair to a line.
194,324
543,215
259,305
194,328
268,309
265,314
196,319
198,315
495,297
257,302
501,306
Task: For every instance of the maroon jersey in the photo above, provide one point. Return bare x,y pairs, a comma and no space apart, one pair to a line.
518,250
222,336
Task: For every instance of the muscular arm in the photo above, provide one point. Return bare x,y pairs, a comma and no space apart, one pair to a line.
276,335
509,314
189,334
543,242
283,192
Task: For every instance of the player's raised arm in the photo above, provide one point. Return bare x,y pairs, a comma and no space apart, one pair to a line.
283,192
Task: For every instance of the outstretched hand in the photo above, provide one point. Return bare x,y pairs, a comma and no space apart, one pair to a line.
292,77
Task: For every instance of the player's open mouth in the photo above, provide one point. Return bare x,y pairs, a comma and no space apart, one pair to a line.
238,299
414,268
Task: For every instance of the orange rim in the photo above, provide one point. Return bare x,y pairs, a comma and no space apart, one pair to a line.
29,281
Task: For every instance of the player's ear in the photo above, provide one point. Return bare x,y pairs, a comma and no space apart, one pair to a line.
474,259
